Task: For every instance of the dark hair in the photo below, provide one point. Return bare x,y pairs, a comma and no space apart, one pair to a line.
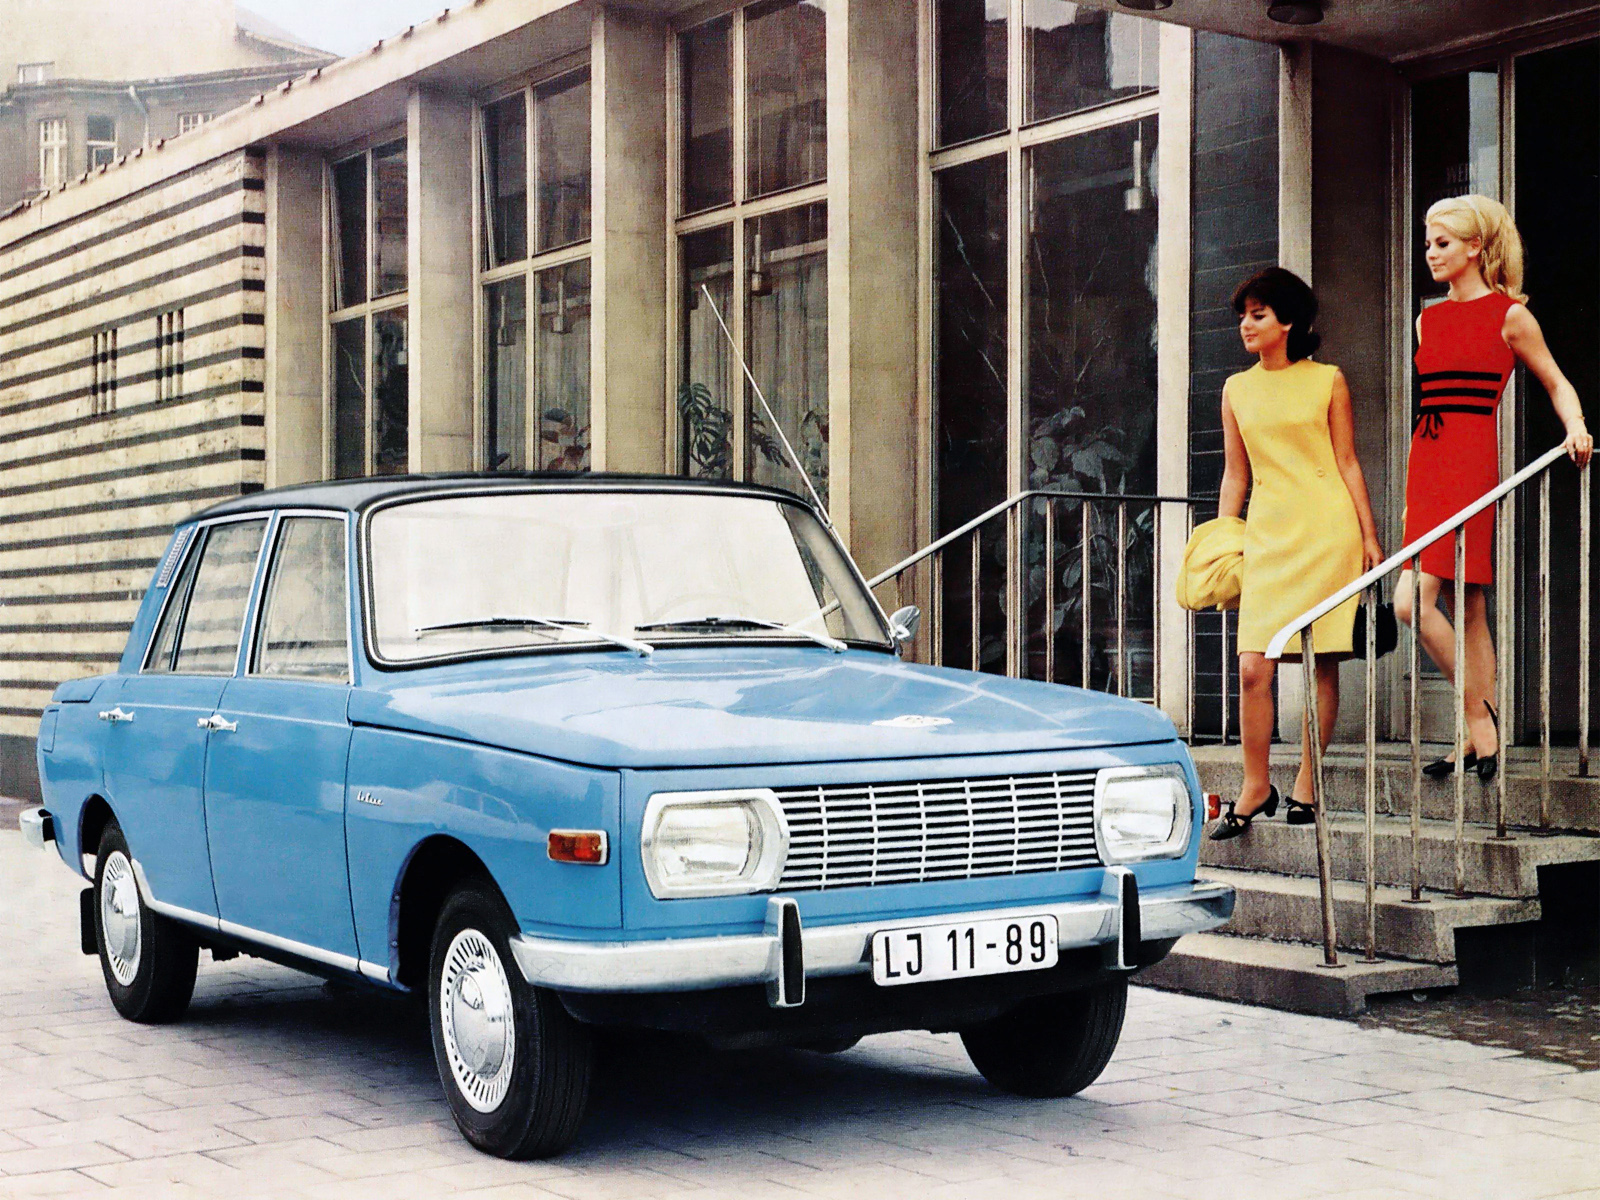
1291,300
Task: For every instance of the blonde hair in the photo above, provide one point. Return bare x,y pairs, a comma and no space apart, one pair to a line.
1480,217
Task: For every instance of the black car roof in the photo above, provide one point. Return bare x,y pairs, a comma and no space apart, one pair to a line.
353,495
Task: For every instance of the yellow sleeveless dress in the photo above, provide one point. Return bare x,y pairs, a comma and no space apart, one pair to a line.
1302,539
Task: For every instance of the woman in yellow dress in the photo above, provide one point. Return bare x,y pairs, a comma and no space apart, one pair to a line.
1290,441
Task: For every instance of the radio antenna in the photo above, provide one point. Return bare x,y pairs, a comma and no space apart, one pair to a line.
767,408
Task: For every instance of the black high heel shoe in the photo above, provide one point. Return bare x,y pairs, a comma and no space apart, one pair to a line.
1489,764
1232,824
1443,768
1300,814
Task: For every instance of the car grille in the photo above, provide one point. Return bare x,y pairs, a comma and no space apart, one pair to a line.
859,835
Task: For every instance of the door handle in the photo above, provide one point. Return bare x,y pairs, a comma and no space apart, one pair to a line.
115,714
218,722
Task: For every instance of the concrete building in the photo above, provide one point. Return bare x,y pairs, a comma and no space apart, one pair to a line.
967,248
83,82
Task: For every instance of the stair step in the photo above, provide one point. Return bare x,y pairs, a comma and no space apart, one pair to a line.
1493,868
1286,975
1289,908
1574,802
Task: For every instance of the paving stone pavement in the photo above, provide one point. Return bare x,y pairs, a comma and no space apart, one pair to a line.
277,1086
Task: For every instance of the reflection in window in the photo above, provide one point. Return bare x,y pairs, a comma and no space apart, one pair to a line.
1459,154
304,622
970,378
561,362
505,180
389,218
505,374
971,49
1077,57
785,94
391,393
706,74
214,621
705,401
1091,399
562,161
350,231
787,326
350,399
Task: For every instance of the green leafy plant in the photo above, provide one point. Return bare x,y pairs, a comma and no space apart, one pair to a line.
708,434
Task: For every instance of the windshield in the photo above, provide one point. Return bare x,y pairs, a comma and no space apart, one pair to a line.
472,574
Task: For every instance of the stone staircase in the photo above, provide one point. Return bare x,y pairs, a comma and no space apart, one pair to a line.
1271,952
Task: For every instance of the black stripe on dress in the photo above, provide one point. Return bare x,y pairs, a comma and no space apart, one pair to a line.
1436,376
1440,393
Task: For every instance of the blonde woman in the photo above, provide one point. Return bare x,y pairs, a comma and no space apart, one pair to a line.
1289,434
1467,346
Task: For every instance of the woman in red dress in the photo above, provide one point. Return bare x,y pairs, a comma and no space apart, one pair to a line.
1468,344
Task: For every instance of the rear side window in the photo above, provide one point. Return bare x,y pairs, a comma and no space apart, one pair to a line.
304,625
166,638
205,618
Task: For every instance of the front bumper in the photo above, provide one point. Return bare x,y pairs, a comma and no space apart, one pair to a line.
695,964
38,828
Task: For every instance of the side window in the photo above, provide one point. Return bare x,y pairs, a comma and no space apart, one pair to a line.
304,626
213,623
166,639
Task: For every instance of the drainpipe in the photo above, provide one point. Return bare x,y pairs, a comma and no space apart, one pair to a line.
133,94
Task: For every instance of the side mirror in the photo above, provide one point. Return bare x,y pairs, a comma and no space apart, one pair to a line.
903,624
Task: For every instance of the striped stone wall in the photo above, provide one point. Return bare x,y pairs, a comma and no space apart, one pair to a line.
131,347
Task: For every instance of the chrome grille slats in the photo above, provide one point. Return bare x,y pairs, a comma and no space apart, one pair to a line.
866,834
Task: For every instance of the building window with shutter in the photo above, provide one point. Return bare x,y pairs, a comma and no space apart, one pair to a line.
103,379
52,152
169,355
102,141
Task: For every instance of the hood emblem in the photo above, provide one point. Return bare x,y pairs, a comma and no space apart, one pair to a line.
913,721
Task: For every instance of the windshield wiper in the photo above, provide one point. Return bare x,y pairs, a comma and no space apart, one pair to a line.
558,624
719,622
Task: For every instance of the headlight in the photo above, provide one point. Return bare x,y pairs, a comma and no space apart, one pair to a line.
1141,813
714,843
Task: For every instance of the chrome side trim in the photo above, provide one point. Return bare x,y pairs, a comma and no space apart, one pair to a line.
187,915
374,971
694,964
38,828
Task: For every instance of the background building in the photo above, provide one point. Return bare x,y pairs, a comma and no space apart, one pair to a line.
85,81
967,246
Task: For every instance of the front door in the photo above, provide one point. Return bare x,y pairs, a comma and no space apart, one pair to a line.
274,785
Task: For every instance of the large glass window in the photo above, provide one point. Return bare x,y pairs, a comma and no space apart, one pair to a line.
971,45
764,269
213,618
536,372
52,152
1078,57
101,135
368,247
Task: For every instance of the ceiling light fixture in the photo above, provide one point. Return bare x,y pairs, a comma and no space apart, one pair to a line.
1296,12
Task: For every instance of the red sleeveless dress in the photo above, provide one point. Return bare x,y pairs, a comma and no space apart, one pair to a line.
1462,364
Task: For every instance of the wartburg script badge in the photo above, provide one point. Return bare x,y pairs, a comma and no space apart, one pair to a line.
913,721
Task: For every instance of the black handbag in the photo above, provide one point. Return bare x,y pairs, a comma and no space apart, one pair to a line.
1387,625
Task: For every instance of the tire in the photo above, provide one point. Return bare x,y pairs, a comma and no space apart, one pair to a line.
1051,1046
514,1065
148,961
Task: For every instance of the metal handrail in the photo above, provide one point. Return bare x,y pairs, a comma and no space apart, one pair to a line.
1410,555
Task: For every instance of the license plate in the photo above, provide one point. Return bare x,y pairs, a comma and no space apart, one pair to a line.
963,950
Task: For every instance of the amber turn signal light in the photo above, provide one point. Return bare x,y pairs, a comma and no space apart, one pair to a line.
586,846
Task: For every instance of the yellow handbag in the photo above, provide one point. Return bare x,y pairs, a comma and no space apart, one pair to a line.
1213,565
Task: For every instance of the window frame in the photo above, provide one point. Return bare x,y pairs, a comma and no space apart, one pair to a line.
198,540
93,144
272,545
536,262
56,148
35,73
188,122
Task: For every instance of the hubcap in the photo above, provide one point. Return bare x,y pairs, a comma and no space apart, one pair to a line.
475,1014
119,917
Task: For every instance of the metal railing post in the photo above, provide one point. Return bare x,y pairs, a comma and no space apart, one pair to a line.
1223,674
977,593
1016,616
1458,606
1156,624
1505,590
1086,532
936,602
1049,590
1544,651
1189,647
1122,597
1583,621
1372,774
1313,733
1416,735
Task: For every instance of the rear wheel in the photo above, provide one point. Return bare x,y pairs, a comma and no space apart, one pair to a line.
148,961
1053,1045
514,1064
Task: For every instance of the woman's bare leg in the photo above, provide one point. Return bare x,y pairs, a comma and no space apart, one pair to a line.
1255,725
1478,681
1438,636
1327,717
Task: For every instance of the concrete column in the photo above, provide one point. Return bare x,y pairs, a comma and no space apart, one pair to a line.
295,432
628,330
872,277
440,269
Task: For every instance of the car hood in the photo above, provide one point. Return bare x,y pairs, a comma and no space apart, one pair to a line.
732,706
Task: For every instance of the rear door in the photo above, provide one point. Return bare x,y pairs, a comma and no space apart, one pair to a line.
274,785
156,735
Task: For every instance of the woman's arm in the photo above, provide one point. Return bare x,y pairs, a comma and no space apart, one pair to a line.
1236,468
1522,333
1342,429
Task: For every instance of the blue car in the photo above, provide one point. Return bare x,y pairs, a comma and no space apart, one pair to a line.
564,754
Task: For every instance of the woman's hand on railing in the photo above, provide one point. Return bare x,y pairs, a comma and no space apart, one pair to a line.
1371,554
1579,445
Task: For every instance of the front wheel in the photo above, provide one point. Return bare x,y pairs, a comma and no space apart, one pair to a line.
1052,1045
148,961
514,1064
